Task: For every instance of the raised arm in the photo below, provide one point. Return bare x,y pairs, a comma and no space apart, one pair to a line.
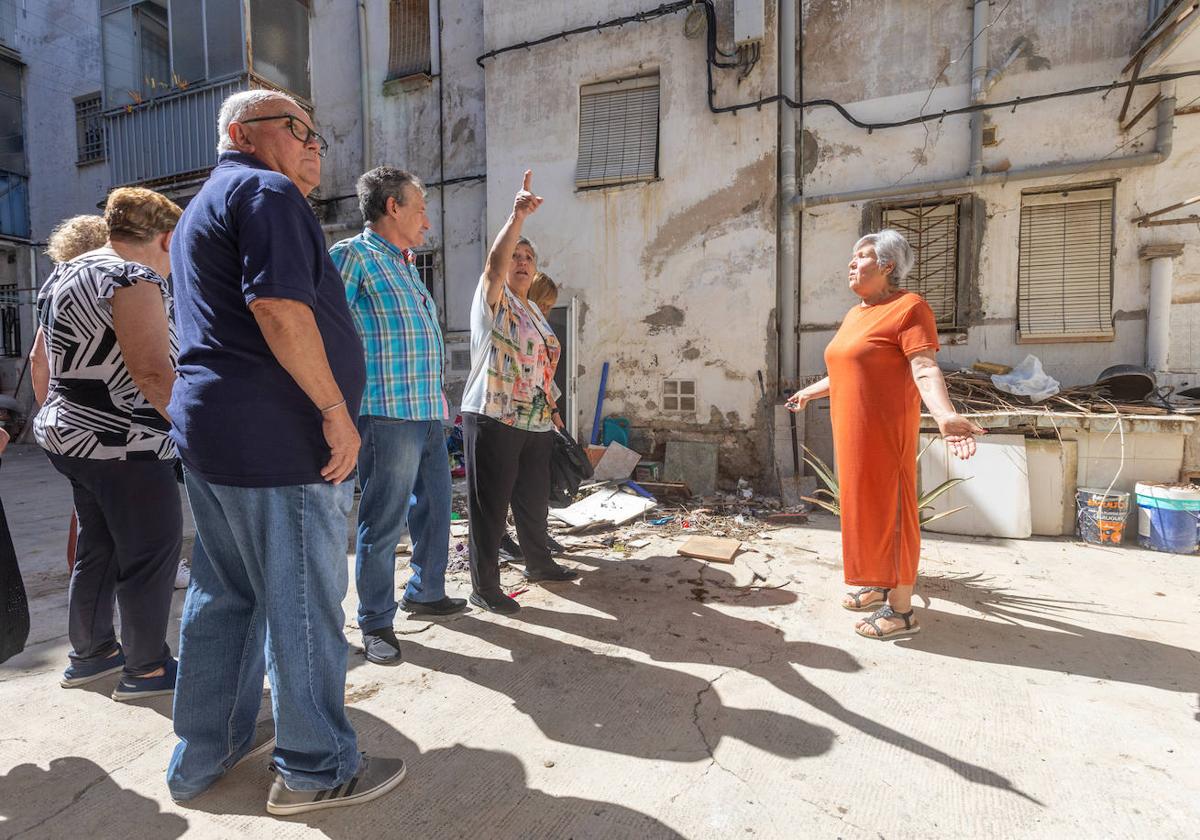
291,332
495,269
958,431
816,391
140,322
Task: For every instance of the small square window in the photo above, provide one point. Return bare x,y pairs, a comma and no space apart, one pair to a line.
679,395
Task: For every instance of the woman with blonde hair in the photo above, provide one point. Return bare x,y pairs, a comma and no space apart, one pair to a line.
543,292
103,367
75,236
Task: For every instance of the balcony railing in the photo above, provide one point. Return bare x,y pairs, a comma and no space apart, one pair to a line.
168,137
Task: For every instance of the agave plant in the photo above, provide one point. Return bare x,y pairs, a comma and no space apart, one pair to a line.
829,496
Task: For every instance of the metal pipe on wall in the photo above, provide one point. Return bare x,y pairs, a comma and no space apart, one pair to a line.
979,80
365,86
788,303
1164,133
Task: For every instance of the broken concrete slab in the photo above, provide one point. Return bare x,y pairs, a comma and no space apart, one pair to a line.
610,504
692,462
616,464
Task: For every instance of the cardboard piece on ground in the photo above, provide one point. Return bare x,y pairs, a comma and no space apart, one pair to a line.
617,463
710,548
610,504
595,453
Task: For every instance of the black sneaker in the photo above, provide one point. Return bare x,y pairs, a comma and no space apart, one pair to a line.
510,552
375,777
382,647
555,546
553,573
496,602
444,606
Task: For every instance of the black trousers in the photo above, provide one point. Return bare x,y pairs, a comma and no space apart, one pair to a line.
505,465
130,534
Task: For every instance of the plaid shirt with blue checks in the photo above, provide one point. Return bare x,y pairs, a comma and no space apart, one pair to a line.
398,322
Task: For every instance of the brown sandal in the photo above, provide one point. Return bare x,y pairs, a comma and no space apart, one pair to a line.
858,595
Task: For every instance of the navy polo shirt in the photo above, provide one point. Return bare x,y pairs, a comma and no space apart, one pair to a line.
237,416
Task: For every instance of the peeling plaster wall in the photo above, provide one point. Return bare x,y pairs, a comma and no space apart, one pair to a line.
1077,43
404,133
676,277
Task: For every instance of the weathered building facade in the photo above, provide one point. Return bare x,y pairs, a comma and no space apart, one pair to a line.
700,227
52,161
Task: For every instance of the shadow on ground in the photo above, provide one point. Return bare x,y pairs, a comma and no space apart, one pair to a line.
1032,633
610,702
75,797
457,791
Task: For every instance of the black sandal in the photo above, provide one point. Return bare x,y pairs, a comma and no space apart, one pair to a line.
858,594
910,625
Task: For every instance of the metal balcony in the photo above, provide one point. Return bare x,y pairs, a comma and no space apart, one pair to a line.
169,137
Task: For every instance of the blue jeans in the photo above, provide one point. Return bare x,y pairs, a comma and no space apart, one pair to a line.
400,458
266,594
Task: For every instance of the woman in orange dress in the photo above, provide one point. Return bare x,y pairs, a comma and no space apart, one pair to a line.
882,363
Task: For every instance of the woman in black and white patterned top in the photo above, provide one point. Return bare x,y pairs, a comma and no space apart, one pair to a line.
103,367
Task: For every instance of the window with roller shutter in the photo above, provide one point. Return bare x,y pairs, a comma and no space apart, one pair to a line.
1065,269
408,39
618,132
932,231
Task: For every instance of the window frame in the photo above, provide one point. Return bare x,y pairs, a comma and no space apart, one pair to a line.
641,81
1039,196
432,13
82,146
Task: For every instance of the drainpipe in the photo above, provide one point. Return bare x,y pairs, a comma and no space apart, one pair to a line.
1158,317
788,265
365,85
980,81
1165,114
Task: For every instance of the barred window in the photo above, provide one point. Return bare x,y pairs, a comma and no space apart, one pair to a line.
1065,272
932,231
89,129
426,264
618,132
408,39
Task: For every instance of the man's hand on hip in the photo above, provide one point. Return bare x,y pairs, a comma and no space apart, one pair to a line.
342,437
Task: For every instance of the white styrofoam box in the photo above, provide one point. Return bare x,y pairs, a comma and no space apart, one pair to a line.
996,493
1053,465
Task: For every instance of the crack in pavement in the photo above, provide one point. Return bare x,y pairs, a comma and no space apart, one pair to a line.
103,777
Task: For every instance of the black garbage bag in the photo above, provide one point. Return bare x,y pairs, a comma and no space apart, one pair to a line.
569,467
14,608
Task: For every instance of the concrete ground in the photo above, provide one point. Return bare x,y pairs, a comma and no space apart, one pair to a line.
1052,693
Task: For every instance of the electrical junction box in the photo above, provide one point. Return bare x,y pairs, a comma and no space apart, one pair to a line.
749,21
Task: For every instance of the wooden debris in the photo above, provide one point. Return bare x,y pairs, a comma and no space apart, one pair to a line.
715,549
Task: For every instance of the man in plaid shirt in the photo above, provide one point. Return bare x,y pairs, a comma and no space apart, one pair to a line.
403,447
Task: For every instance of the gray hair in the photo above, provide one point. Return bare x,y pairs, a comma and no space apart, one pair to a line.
891,248
241,105
380,184
528,243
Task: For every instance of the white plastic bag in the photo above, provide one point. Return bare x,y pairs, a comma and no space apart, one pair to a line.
1028,380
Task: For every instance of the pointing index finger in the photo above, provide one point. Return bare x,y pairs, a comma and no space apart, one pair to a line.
528,179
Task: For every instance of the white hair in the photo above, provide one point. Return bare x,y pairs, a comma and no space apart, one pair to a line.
891,248
238,106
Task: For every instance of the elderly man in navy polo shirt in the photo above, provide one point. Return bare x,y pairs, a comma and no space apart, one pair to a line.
271,373
403,444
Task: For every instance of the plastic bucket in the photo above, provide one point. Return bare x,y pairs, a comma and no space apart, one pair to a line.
1100,517
1169,517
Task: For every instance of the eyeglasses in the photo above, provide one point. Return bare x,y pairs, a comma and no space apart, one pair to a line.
306,137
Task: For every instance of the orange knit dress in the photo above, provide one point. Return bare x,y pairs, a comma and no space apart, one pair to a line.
876,412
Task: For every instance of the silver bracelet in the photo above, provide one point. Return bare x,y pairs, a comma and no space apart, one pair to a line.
332,407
